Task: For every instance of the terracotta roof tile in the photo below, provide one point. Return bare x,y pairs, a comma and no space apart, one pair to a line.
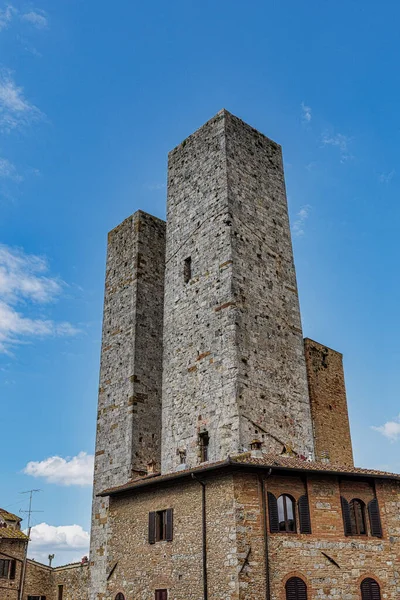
9,516
9,533
246,459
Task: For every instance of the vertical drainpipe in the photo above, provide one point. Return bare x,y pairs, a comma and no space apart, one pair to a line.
204,535
266,556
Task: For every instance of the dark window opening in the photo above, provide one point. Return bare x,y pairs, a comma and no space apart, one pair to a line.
296,589
370,589
36,597
4,568
204,441
357,517
161,595
120,596
161,525
60,592
187,269
286,514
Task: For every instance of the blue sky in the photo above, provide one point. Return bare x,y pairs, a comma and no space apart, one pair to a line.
92,97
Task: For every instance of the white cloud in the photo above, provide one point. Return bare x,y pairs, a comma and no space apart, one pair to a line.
36,18
68,542
302,216
306,113
76,470
6,15
9,171
339,141
390,429
386,177
24,281
15,110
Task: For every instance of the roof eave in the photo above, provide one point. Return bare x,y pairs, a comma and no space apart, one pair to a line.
239,465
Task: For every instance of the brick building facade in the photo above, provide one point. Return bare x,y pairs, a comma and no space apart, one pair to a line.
224,465
37,581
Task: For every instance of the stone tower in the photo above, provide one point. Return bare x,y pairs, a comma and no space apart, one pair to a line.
234,365
129,407
329,412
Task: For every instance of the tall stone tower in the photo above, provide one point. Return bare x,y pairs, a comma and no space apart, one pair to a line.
129,408
234,365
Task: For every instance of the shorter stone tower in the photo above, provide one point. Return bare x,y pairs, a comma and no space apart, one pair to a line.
129,408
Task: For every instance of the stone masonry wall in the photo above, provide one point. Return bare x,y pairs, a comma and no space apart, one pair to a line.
236,553
11,549
141,568
233,347
74,580
272,382
129,408
328,403
39,581
200,370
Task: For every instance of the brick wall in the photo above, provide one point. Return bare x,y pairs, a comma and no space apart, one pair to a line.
328,403
236,543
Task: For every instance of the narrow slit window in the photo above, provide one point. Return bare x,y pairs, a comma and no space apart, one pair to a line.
161,525
187,269
204,441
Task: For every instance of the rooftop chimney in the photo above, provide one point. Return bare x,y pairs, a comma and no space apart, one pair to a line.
255,447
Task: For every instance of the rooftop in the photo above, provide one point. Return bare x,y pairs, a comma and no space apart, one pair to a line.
7,516
9,533
246,460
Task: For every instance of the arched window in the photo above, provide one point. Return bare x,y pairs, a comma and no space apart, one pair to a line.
120,596
286,513
357,517
296,589
370,589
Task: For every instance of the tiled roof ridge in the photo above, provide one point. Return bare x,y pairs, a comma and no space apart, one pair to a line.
9,516
246,458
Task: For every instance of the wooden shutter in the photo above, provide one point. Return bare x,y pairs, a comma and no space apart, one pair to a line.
169,529
370,590
304,514
273,513
152,528
346,516
374,518
296,589
161,595
12,569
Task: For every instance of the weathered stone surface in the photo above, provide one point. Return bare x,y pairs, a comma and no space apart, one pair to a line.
129,408
233,348
328,403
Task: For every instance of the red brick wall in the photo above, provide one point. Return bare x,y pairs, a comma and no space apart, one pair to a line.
328,403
